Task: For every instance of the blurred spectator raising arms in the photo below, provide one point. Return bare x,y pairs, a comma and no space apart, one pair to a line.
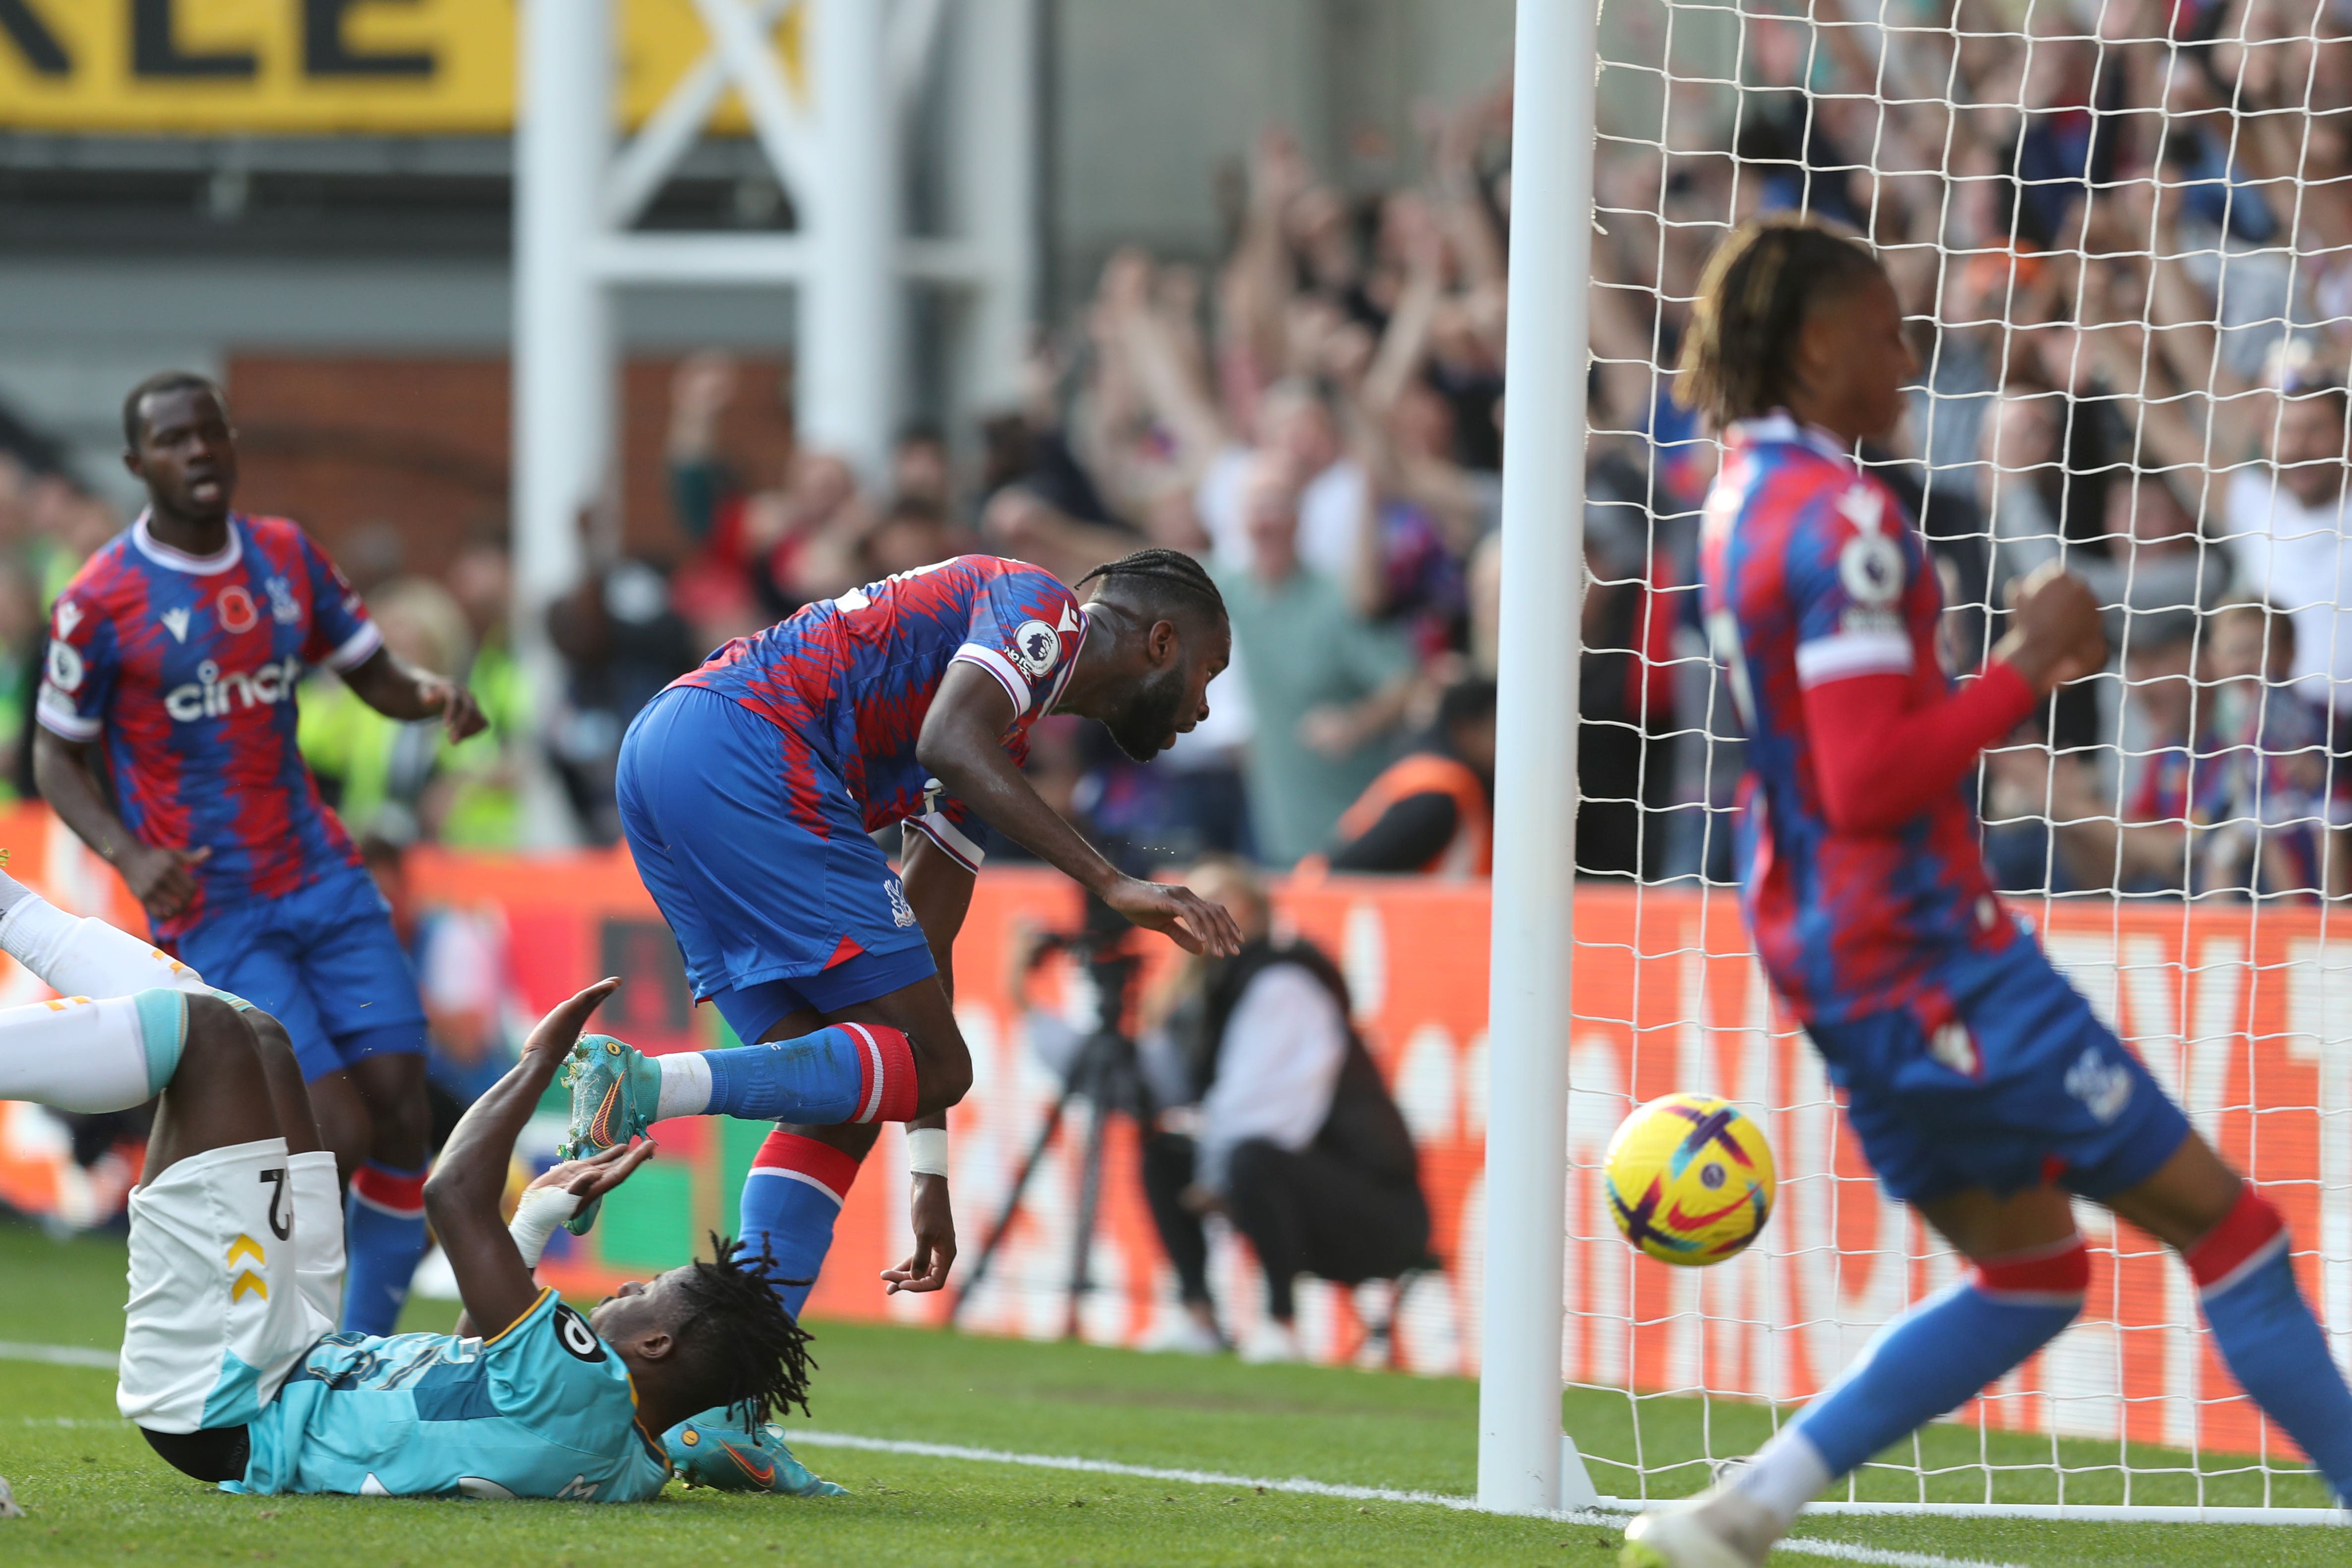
1327,688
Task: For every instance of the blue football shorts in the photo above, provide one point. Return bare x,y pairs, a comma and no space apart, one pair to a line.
777,908
325,962
2012,1083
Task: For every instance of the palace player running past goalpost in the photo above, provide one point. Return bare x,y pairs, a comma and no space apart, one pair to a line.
749,789
172,660
1984,1089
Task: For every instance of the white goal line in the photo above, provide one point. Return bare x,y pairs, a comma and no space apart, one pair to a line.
1608,1517
1609,1512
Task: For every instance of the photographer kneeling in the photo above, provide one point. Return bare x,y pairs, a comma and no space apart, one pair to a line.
1290,1131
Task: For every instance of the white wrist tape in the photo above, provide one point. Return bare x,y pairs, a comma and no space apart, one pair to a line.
536,1217
927,1152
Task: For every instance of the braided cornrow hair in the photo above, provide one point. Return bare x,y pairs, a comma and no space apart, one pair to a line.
752,1351
1739,351
1162,578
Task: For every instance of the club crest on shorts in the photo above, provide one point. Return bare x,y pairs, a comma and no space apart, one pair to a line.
901,912
1036,646
2105,1088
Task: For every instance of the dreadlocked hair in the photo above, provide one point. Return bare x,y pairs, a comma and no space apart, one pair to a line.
1739,351
1161,579
738,1336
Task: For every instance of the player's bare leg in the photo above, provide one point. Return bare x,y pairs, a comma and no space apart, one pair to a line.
384,1215
373,1110
290,1098
221,1094
2190,1195
344,1125
399,1125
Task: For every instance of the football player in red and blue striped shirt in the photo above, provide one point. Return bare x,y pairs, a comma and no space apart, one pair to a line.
171,666
1985,1091
749,791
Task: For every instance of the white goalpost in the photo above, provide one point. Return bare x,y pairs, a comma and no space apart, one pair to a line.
1521,1454
2122,233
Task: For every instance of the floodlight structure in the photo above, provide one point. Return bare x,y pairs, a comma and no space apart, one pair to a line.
834,149
1525,1462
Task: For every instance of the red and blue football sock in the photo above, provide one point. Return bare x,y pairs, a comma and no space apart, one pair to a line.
791,1200
847,1072
384,1237
2268,1338
1924,1363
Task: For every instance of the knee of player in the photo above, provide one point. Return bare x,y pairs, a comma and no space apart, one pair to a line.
2249,1235
214,1042
942,1078
2056,1276
270,1037
403,1128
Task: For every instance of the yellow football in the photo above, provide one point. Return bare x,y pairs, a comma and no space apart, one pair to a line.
1690,1179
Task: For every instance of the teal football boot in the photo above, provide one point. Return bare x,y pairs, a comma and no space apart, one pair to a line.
614,1091
713,1450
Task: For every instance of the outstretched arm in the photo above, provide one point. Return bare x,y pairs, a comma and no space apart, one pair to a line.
961,746
462,1196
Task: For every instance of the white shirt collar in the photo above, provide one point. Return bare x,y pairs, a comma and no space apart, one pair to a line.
143,539
1784,426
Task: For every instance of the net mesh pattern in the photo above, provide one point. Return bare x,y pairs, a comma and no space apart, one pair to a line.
2121,233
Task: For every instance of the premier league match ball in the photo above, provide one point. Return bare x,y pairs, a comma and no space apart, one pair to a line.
1690,1179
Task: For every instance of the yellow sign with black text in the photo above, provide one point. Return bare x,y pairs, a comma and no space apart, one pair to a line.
309,66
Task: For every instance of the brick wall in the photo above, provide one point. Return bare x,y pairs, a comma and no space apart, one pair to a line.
339,443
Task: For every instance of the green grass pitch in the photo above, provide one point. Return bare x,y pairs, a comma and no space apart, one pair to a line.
94,1494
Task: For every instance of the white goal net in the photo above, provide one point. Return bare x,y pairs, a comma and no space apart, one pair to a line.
2121,231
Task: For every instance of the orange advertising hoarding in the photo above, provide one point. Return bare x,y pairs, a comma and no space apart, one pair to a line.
2247,1018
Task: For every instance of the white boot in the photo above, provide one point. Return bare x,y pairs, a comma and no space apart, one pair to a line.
1718,1529
1184,1334
1273,1341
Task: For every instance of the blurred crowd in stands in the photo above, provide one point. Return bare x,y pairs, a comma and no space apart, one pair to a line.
2124,239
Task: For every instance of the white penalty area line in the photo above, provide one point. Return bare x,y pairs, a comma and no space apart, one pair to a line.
1842,1550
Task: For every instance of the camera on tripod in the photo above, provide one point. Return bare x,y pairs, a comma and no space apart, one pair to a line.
1106,1071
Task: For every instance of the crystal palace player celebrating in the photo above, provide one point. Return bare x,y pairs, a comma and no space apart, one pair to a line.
748,790
227,1365
1984,1089
177,648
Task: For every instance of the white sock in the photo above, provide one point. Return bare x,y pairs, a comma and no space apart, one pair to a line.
80,957
1786,1473
79,1056
685,1085
11,892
